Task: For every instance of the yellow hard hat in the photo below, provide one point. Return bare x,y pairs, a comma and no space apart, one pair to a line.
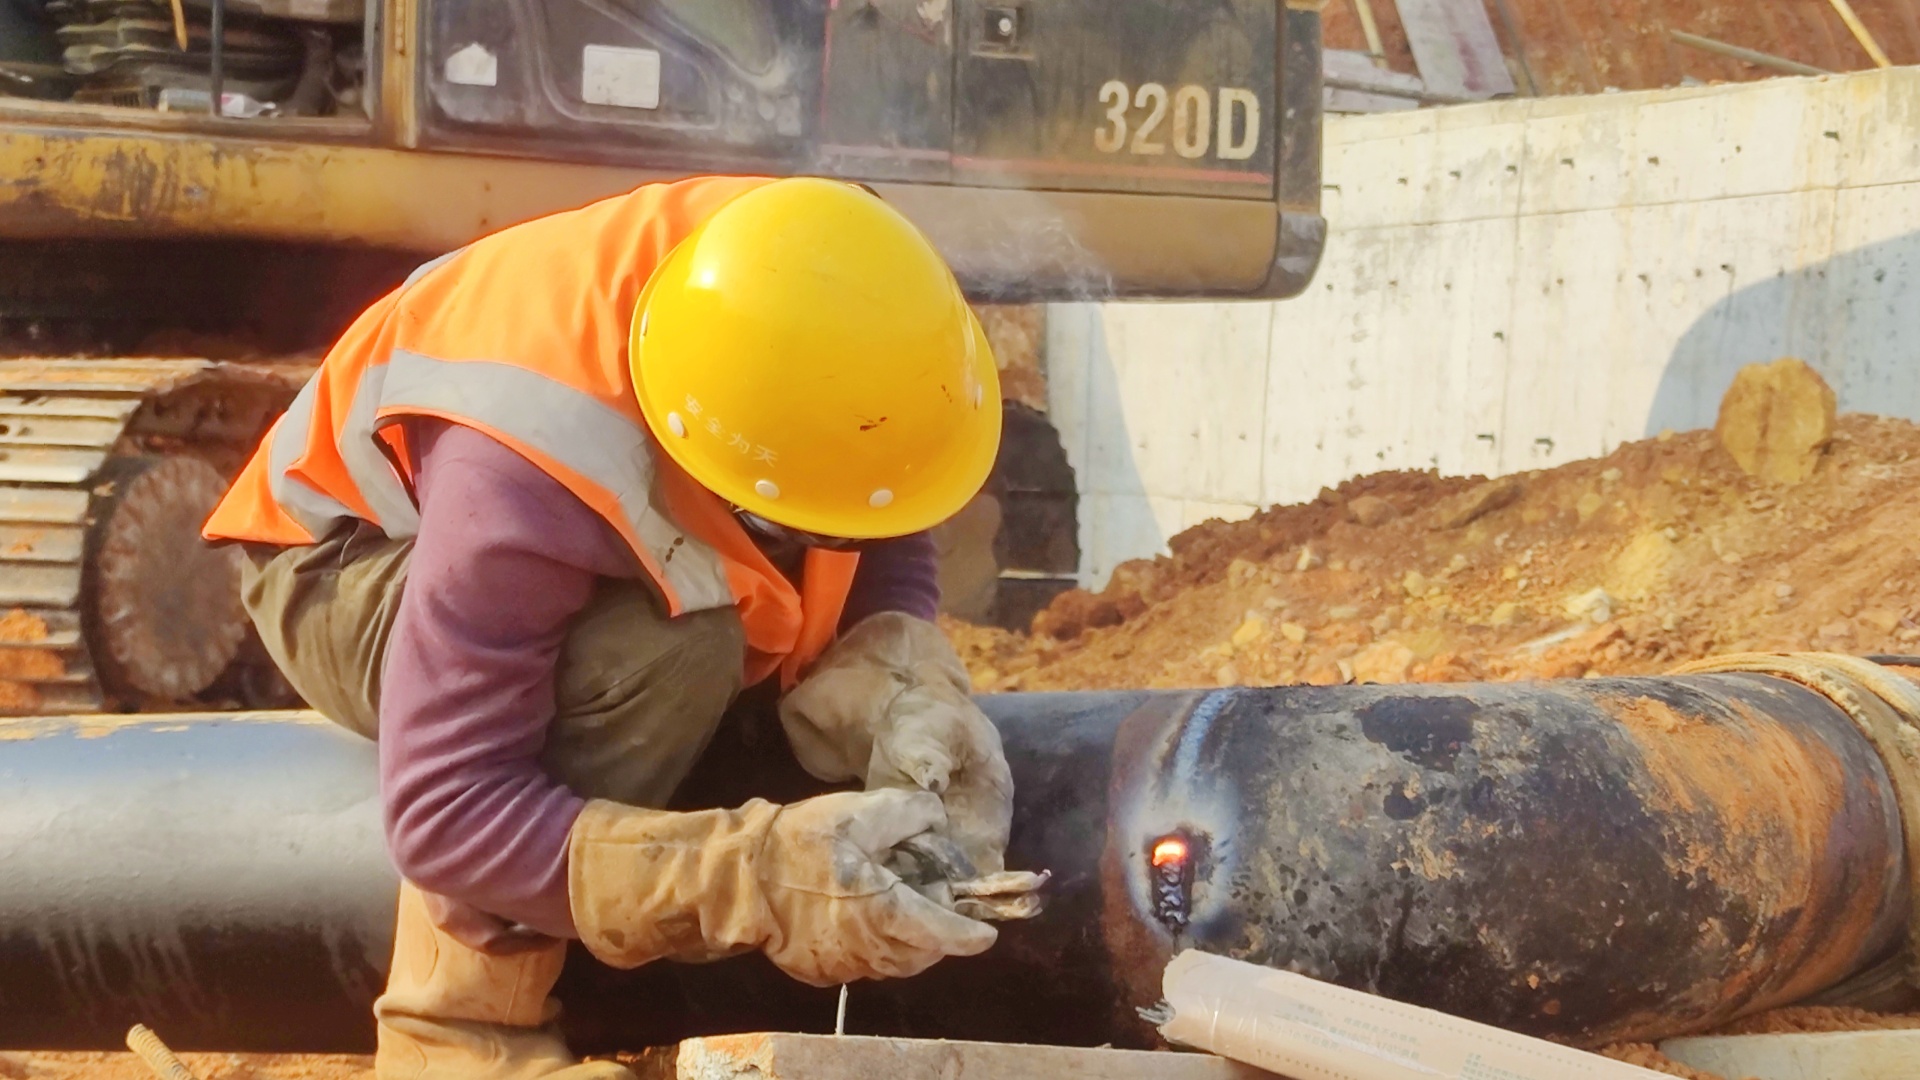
807,355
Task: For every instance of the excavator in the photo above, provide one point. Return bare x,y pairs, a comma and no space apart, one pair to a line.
197,195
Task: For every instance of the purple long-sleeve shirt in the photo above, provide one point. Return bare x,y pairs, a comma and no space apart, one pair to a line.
505,558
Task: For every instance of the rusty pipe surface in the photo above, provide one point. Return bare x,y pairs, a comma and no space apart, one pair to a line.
1593,860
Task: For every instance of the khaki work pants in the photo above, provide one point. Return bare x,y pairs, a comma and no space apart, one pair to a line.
638,695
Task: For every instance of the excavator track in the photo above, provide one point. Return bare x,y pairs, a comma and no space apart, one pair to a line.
108,599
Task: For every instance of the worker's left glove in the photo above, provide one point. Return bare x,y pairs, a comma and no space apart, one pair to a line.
888,705
804,883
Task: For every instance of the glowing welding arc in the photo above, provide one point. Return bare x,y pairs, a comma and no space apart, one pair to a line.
1169,850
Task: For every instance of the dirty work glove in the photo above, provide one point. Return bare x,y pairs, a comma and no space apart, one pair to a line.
888,705
802,882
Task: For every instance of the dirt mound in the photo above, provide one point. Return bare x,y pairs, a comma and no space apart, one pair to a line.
1663,551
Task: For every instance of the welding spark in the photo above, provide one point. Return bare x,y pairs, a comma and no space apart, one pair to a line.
1169,851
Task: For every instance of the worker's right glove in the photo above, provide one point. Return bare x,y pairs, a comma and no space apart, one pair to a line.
888,705
802,882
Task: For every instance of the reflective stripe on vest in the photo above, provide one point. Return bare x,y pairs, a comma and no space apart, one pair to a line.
386,497
430,266
574,429
316,512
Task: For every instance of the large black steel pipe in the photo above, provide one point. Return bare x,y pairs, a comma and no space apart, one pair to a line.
222,873
1591,860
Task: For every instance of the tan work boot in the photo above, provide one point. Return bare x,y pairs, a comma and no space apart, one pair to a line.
452,1012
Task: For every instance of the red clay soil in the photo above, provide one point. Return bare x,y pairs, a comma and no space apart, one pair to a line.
1588,46
1661,552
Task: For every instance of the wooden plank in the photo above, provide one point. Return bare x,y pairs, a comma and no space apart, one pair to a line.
783,1056
1454,46
51,585
63,505
61,700
1351,70
1837,1055
37,543
58,641
50,699
1336,100
29,403
38,465
17,430
98,376
74,676
43,628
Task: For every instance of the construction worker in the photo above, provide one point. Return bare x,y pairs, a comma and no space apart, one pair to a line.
545,510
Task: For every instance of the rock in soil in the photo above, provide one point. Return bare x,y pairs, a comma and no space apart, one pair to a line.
1777,420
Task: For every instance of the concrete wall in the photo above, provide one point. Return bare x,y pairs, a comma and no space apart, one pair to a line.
1510,286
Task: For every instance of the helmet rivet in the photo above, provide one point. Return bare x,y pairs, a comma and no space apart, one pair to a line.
880,499
766,489
676,425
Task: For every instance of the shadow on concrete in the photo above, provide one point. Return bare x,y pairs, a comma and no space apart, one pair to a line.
1855,317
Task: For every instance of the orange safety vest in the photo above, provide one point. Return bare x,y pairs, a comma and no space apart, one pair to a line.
523,335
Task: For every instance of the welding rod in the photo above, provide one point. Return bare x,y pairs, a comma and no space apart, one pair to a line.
141,1040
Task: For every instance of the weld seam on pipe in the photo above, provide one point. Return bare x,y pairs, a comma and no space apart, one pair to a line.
1885,707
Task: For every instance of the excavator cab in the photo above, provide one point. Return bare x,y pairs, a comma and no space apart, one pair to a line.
200,194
